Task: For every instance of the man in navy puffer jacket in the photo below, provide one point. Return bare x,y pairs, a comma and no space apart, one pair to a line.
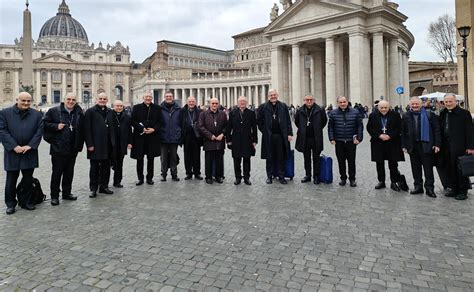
345,130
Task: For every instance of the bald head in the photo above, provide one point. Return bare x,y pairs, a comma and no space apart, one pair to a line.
191,102
23,101
214,104
384,107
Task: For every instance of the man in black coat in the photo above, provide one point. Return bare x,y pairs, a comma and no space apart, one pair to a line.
146,122
121,126
99,141
63,130
241,135
212,124
457,140
273,120
192,140
21,129
345,131
310,120
384,127
421,138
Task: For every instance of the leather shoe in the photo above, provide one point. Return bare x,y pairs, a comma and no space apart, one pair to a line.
54,202
175,178
188,177
451,194
139,183
431,193
316,181
118,186
106,191
269,180
10,210
416,191
151,182
163,179
28,207
461,196
93,194
283,181
69,197
198,177
395,187
219,180
306,179
342,182
353,183
209,181
380,185
237,181
247,182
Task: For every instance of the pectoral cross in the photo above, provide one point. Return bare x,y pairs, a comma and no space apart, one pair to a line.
71,128
308,123
274,116
384,130
215,124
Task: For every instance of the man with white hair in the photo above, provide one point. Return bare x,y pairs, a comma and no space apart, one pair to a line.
192,140
421,138
63,130
457,140
99,142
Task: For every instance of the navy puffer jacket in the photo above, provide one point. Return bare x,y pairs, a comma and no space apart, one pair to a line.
344,125
170,132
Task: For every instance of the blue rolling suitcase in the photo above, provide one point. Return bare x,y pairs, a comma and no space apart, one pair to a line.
289,166
325,175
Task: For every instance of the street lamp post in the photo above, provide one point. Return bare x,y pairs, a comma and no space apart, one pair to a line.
464,33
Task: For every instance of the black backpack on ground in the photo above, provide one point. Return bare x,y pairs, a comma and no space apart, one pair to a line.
36,197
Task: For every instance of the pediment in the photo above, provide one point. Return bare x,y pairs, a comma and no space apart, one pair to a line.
55,58
305,11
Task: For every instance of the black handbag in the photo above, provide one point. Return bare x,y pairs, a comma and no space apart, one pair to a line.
466,165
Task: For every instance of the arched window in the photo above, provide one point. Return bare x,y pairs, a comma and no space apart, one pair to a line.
44,77
8,77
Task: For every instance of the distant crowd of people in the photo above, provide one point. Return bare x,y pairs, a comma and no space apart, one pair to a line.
431,136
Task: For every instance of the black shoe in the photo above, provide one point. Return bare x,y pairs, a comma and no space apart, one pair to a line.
93,194
219,180
461,196
283,181
395,187
237,181
247,182
316,181
209,181
139,183
175,178
269,180
306,179
10,210
118,186
416,191
106,191
69,197
163,179
431,193
198,177
54,202
342,182
151,182
353,183
188,177
380,185
451,194
28,207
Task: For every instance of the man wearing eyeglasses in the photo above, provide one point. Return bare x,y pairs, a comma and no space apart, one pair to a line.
63,131
99,142
21,130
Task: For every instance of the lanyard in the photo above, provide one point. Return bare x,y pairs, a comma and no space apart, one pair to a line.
191,118
241,117
384,124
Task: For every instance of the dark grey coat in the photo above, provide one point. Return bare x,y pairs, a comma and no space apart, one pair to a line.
20,130
98,134
242,133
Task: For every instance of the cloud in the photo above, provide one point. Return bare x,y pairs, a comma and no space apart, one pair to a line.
140,23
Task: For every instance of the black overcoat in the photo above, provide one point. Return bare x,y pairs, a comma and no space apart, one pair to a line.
97,133
264,122
408,133
144,116
385,150
461,135
20,129
242,132
121,126
318,121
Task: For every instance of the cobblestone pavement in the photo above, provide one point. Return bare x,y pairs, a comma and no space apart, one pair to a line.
191,236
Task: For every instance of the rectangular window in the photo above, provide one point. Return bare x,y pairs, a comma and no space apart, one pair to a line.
86,57
118,58
7,54
43,55
69,56
101,58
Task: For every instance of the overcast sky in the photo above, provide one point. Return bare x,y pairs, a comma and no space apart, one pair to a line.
140,23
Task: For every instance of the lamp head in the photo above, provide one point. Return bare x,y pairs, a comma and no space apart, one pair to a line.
464,31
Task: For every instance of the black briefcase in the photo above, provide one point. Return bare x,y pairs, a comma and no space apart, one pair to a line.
466,165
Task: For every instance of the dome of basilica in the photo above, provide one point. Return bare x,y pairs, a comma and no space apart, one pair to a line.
63,26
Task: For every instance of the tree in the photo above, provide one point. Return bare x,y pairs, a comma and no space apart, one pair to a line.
442,37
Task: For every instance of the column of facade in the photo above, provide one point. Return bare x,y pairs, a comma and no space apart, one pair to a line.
94,89
317,76
234,98
359,52
340,68
64,87
394,72
38,87
330,72
277,67
221,96
378,61
79,87
406,83
227,97
74,86
49,90
16,84
295,74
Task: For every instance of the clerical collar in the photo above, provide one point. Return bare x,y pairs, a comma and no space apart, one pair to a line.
191,109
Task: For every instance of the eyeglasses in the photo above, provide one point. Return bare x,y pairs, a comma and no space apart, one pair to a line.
70,99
